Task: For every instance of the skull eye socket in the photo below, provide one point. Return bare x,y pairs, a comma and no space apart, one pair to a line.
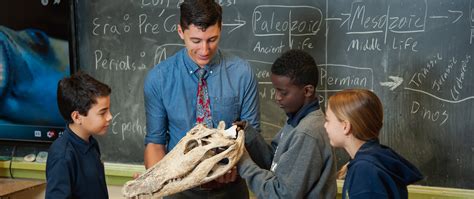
205,142
190,146
224,161
218,166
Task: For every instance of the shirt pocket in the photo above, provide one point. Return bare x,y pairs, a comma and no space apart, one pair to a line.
225,109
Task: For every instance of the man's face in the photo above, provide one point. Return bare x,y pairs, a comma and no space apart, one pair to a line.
201,45
288,96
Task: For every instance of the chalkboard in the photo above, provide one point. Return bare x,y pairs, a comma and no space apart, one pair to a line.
415,54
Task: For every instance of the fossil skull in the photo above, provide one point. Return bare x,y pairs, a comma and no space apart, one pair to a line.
199,157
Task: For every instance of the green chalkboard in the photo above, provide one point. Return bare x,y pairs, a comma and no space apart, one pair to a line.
416,55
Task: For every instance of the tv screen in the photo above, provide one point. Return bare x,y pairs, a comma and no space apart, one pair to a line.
34,56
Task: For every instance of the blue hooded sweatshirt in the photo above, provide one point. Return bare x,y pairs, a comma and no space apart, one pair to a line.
378,172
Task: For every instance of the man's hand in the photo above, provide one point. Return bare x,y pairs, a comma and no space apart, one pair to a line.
241,125
135,175
153,154
228,177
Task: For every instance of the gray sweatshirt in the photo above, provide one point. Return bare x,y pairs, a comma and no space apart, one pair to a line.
299,163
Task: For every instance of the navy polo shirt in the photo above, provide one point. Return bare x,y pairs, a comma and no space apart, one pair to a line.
74,168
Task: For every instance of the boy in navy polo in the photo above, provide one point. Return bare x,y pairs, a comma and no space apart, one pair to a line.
74,168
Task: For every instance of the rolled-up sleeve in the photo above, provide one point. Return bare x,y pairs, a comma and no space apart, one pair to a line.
250,105
156,116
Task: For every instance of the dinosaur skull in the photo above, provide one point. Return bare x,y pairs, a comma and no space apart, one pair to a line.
199,157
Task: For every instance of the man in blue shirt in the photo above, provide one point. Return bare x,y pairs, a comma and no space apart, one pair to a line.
171,90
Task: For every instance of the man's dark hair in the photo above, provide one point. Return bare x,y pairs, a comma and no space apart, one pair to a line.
201,13
299,66
78,93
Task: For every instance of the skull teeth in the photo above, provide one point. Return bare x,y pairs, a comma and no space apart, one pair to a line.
175,179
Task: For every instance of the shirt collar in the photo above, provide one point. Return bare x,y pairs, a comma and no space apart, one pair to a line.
294,119
369,144
79,143
192,67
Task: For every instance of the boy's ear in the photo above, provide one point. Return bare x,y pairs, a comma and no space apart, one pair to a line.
309,90
76,117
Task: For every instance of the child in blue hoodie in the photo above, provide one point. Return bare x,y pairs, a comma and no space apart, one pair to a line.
354,118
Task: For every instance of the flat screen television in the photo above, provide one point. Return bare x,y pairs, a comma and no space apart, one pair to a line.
35,38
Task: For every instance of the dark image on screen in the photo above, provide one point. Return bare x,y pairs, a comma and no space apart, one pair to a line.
34,56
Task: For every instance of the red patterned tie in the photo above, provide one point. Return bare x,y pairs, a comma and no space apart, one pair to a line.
203,110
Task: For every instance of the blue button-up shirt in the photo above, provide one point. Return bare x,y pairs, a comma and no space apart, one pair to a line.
171,92
74,168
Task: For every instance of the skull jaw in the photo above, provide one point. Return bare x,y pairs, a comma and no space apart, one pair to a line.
188,165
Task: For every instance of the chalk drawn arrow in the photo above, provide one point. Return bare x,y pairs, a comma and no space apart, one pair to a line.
457,15
238,23
394,84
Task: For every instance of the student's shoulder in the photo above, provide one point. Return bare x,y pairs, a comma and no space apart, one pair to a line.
363,163
162,71
61,149
234,62
313,124
366,165
168,64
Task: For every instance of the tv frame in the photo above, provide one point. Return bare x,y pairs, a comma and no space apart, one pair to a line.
37,133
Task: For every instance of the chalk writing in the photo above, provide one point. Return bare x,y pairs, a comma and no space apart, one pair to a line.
117,64
279,20
446,79
262,74
358,20
472,36
105,27
392,84
337,77
268,49
267,92
405,44
369,44
418,77
46,2
439,98
236,24
146,3
437,83
437,116
303,44
268,20
160,3
130,128
458,86
226,3
161,52
145,26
